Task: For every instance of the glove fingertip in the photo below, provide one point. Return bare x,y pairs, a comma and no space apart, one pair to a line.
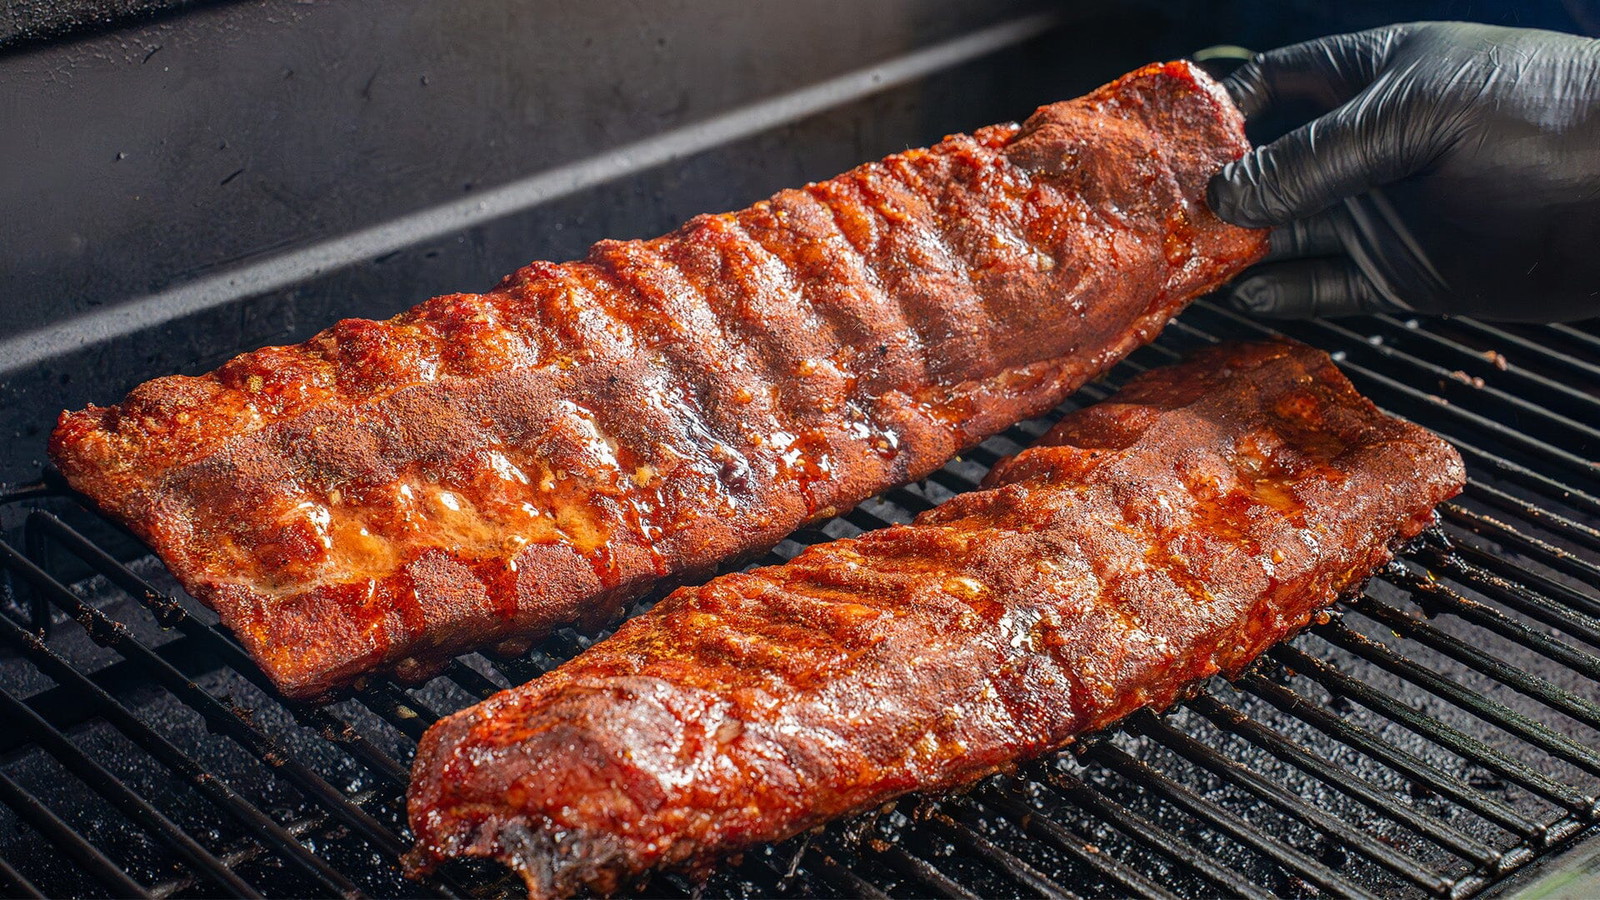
1260,296
1305,289
1247,89
1234,196
1217,192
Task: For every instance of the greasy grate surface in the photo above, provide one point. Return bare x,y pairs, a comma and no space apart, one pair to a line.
1436,734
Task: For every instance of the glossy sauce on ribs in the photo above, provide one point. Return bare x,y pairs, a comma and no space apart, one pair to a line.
488,467
1169,534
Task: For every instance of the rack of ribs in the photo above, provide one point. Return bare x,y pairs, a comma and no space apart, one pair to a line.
1173,532
486,468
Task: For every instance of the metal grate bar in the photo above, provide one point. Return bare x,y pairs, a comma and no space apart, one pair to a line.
1553,422
385,700
62,835
1524,590
525,668
33,491
15,884
263,827
39,607
227,719
109,786
1553,696
1233,721
1418,770
786,879
674,885
1532,595
1039,825
1207,758
952,482
1491,365
1150,835
869,521
1545,355
42,524
913,502
1229,823
980,454
854,885
996,857
1550,555
762,869
399,708
1452,739
171,614
1576,532
918,869
1589,341
1494,620
471,680
1491,711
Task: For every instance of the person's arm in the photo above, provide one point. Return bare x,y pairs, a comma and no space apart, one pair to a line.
1454,168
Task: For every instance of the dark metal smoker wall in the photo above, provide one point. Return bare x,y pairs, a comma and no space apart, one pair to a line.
200,144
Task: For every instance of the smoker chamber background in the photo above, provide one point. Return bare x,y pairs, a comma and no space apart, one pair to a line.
1435,737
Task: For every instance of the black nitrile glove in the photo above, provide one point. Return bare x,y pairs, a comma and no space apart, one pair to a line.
1455,169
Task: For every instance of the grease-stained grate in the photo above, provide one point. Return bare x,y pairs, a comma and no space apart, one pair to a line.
1436,734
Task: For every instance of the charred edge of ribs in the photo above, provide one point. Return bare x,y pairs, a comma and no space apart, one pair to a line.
1171,533
488,467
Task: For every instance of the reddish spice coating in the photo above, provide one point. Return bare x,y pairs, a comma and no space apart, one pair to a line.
1171,533
488,467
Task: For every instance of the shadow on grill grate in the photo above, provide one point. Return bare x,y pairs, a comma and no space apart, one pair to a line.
1434,735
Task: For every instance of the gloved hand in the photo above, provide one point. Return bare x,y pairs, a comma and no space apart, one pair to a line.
1455,169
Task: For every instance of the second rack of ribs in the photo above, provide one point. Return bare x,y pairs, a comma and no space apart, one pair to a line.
1168,534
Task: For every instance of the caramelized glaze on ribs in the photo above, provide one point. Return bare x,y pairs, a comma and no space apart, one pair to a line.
487,467
1171,533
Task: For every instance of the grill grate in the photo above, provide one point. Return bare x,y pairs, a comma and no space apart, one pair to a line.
1434,735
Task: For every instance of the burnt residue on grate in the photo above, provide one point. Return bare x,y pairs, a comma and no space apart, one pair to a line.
1435,735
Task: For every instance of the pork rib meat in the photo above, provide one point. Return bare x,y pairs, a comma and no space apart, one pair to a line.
1171,533
485,468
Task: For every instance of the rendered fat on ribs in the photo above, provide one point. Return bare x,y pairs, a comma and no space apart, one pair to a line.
1173,532
489,467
